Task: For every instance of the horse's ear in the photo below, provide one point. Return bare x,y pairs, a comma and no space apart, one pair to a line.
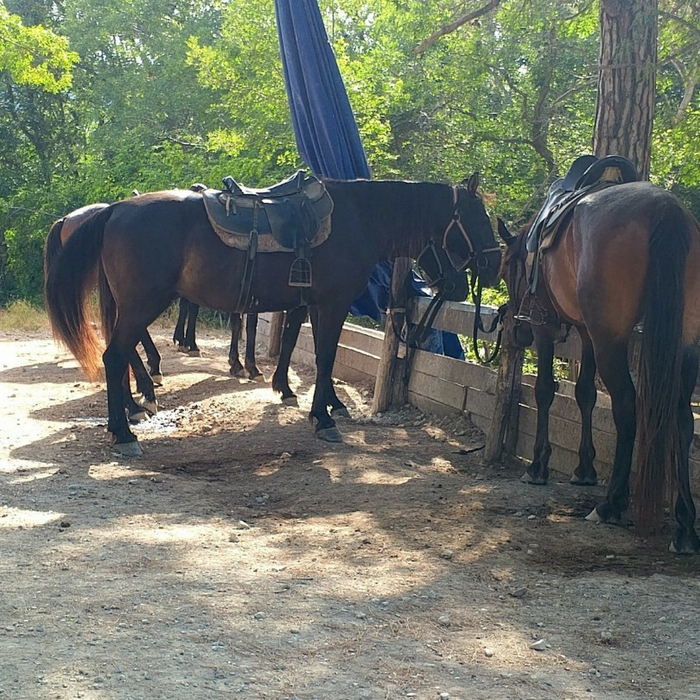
471,183
504,233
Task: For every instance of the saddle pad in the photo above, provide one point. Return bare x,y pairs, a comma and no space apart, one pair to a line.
283,223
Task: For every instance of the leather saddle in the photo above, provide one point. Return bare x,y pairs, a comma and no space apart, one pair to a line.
289,216
586,174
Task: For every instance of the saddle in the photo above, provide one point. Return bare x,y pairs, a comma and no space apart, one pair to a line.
586,174
289,216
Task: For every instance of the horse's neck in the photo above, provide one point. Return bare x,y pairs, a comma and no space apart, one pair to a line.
401,217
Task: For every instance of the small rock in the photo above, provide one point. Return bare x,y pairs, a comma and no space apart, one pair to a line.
518,593
446,554
488,652
445,620
539,645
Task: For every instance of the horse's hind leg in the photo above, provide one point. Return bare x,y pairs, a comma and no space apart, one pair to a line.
153,359
251,332
190,341
538,471
586,395
686,540
614,371
145,385
290,334
116,364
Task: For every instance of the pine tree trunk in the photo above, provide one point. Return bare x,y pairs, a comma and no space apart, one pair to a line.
626,80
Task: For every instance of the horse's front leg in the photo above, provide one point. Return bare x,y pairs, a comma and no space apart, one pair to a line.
290,334
686,539
614,371
251,333
116,365
329,323
586,396
234,362
338,408
538,471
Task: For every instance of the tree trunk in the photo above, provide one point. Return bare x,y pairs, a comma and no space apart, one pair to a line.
626,80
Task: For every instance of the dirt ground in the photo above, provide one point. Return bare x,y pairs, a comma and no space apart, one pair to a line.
241,557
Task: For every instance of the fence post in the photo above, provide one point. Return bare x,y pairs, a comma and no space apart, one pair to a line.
503,431
274,343
390,387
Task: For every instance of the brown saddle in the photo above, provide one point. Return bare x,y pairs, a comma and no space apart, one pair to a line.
289,216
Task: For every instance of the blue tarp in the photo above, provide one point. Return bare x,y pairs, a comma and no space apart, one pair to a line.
326,133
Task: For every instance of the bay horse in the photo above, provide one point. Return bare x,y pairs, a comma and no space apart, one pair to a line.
371,220
58,234
628,254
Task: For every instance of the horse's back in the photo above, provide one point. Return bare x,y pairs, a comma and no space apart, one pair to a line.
79,216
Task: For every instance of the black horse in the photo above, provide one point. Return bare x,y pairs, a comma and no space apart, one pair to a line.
60,231
371,220
185,339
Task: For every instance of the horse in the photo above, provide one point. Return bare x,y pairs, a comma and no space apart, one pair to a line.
185,340
58,234
371,220
628,254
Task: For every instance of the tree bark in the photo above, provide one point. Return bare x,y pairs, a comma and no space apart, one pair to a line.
626,80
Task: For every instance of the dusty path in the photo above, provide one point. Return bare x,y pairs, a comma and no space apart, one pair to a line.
240,557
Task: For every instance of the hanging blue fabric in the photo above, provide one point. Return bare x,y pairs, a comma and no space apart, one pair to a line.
326,133
324,125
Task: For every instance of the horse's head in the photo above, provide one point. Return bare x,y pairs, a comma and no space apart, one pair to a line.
467,243
514,272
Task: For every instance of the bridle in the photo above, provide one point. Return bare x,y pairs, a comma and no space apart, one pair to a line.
418,332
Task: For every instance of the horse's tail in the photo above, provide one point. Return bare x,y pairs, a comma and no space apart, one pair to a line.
659,381
52,247
70,278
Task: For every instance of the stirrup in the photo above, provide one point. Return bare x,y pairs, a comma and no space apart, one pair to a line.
531,311
300,273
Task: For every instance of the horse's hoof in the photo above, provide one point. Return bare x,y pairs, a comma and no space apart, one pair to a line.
259,377
182,348
290,400
340,412
150,406
528,479
692,547
331,434
590,481
157,379
238,373
594,516
139,417
193,353
129,449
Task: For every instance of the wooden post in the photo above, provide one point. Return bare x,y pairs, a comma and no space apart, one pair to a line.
274,343
389,387
504,422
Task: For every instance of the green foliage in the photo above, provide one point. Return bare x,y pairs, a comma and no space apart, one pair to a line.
164,94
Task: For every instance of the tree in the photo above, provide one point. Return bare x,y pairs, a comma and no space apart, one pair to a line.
626,81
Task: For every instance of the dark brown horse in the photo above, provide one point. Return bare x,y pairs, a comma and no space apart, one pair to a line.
629,254
371,220
59,233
